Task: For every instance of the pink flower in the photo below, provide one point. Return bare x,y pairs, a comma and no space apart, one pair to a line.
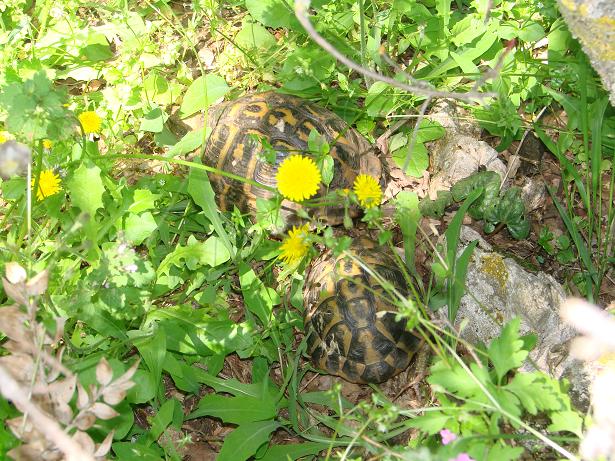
462,457
447,436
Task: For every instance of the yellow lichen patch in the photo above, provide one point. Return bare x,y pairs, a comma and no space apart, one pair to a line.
493,266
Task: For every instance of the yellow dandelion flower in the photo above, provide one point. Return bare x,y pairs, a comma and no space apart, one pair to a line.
368,191
298,178
296,245
90,121
47,143
48,184
3,138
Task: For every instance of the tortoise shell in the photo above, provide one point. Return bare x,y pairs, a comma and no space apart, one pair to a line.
350,321
285,122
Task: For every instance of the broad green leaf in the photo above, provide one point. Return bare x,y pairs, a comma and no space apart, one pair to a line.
244,441
143,199
164,417
191,141
203,195
258,299
506,351
202,93
139,227
153,350
195,254
419,159
86,188
154,120
429,130
146,388
293,451
272,13
408,217
235,410
531,31
379,101
129,451
254,35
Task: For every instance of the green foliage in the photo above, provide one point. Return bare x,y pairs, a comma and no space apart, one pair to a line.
142,263
482,398
491,206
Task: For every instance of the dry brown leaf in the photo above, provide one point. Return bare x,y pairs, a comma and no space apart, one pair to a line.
20,366
63,390
128,374
83,397
63,412
105,446
85,441
114,395
17,292
37,285
104,373
13,324
15,273
85,421
104,411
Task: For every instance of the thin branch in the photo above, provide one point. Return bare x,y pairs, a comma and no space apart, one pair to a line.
51,429
423,89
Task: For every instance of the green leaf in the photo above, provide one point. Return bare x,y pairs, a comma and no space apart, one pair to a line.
235,410
153,350
86,188
164,417
504,453
419,159
244,441
139,227
258,299
408,217
195,254
203,195
431,422
202,93
143,199
253,36
272,13
379,101
154,120
191,141
531,31
506,351
129,451
293,451
569,421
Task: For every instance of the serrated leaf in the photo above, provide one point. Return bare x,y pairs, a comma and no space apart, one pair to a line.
431,422
86,188
506,351
235,410
244,441
202,93
568,420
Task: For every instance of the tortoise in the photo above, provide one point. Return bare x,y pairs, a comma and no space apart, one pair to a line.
351,323
285,122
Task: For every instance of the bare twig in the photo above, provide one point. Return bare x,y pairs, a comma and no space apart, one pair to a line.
423,89
14,392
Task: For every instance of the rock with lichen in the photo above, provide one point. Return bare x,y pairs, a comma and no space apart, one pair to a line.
593,23
499,289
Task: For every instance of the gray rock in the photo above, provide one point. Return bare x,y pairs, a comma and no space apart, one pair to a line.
533,193
499,289
458,158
